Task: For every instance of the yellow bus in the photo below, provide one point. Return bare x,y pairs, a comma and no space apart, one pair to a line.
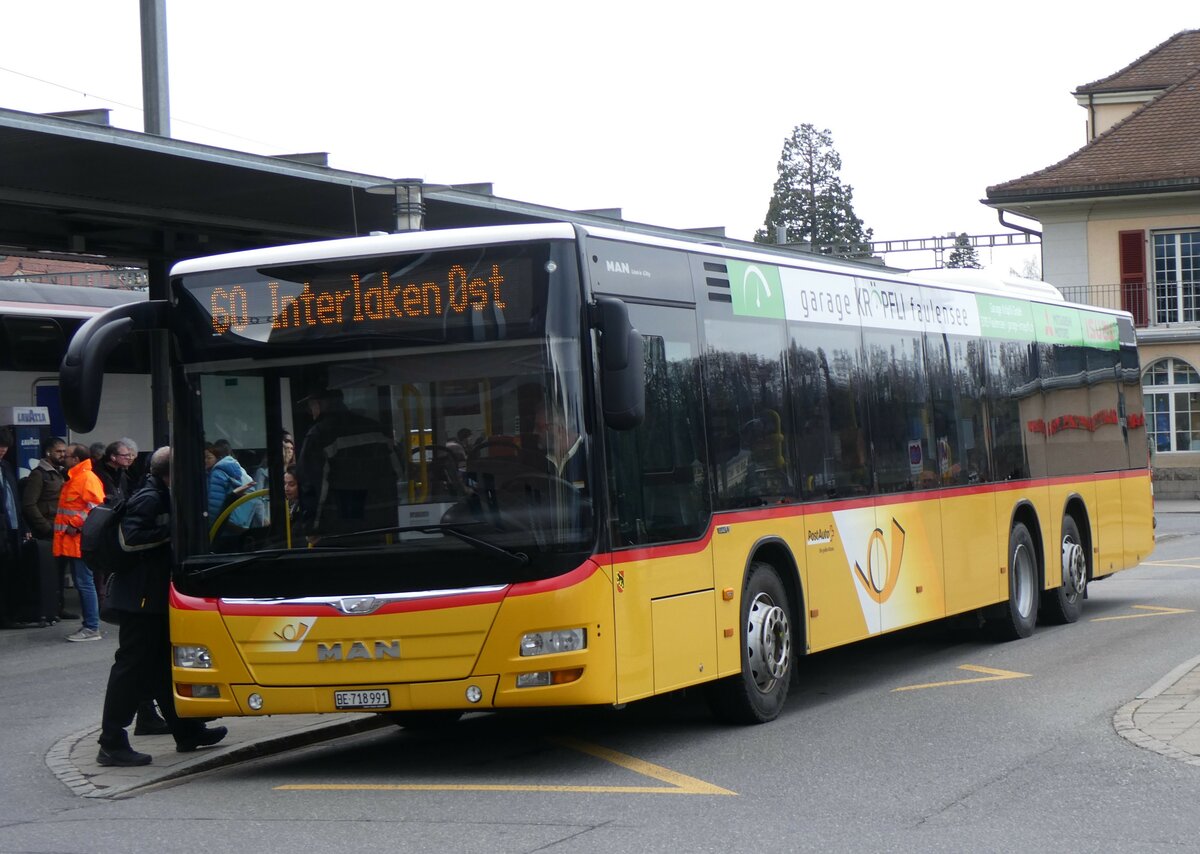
557,465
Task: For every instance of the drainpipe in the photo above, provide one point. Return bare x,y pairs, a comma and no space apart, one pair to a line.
1015,227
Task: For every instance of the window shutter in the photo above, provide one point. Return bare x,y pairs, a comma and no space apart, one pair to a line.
1132,248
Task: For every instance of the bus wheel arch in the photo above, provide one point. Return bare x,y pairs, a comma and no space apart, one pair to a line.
767,639
1064,603
779,556
1016,617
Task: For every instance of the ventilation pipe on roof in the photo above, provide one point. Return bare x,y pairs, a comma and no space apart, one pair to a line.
410,202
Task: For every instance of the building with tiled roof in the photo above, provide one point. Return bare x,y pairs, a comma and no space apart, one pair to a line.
21,265
1120,223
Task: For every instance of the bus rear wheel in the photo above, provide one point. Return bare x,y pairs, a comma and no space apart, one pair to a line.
757,694
1064,604
1018,616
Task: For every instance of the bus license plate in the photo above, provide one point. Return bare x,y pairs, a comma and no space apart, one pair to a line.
376,698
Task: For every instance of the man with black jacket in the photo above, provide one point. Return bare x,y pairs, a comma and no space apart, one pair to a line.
142,665
114,470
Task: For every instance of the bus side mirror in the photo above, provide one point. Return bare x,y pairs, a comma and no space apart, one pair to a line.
81,373
622,366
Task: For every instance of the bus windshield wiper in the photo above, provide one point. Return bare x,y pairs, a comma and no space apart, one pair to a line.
519,558
255,557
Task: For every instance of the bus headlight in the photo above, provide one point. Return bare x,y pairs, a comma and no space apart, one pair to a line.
193,657
562,640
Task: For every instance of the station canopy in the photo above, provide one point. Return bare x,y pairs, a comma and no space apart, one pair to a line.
89,191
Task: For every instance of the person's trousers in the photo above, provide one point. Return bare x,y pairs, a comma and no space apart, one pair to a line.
141,668
85,584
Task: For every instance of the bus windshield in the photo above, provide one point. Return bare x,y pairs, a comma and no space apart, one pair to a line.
445,454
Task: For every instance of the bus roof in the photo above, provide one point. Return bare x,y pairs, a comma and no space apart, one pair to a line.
377,244
973,281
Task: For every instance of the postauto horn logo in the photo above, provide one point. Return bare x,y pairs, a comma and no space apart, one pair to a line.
879,579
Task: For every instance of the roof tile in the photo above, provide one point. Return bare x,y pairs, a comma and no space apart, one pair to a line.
1154,148
1176,58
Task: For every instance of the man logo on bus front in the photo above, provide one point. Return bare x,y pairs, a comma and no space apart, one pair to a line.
359,604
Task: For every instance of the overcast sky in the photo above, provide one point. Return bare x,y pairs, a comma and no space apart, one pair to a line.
674,112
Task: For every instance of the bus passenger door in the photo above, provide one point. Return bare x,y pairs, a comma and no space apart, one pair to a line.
662,568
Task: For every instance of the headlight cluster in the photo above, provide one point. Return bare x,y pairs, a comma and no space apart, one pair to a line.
545,643
193,657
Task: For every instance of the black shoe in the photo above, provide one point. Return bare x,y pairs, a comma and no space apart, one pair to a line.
206,737
122,757
150,726
67,615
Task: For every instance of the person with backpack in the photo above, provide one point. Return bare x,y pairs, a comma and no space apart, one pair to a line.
142,664
79,495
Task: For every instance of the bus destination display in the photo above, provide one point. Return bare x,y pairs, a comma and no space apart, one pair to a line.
260,306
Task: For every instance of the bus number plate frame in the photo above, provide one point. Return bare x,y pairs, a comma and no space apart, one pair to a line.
373,698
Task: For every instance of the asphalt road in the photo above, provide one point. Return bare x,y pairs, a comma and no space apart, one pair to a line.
927,740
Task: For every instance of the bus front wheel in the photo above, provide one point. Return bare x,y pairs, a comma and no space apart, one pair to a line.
1064,604
1018,616
757,694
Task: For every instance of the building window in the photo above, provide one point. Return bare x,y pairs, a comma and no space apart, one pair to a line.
1177,277
1172,391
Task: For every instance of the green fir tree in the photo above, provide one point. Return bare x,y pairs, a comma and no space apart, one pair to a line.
963,254
810,202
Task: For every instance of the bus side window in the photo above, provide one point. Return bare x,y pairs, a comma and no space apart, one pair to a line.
749,420
830,444
1014,401
905,454
956,383
657,471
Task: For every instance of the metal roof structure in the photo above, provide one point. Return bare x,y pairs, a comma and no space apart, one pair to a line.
82,189
88,191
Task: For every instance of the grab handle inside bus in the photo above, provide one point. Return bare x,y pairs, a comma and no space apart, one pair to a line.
622,369
81,373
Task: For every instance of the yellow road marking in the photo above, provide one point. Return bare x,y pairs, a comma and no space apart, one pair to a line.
995,676
1153,611
678,784
1177,563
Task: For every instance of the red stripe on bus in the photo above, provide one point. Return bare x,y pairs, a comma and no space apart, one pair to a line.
793,510
181,602
559,582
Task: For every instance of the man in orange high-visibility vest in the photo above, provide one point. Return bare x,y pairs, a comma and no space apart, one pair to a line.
82,491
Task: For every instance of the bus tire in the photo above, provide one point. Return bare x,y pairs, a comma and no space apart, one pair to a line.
1018,616
425,720
1064,604
757,694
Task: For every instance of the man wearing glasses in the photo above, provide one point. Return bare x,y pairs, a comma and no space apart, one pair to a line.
114,470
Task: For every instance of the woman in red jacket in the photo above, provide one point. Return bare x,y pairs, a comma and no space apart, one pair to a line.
82,491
